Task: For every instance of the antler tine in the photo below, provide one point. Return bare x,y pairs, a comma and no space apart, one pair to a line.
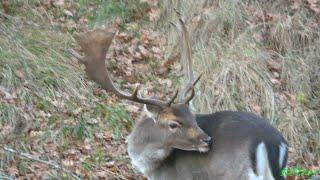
189,98
186,60
173,98
95,45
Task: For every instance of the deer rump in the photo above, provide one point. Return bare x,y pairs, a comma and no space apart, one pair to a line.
235,152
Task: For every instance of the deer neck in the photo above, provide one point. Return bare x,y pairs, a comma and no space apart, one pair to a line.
146,147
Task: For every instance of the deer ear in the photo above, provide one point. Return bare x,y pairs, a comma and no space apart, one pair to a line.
152,111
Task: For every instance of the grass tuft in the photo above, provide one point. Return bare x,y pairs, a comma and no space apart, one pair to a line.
44,97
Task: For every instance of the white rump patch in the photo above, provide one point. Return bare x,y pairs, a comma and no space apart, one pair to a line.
282,153
253,176
262,165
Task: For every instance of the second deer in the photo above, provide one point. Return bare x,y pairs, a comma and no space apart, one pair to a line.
173,143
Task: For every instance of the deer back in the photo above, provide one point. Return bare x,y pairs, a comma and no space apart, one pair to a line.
245,146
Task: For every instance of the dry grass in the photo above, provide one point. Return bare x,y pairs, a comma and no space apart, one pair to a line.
47,107
269,67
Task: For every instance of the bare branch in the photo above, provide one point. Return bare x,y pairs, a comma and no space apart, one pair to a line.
49,163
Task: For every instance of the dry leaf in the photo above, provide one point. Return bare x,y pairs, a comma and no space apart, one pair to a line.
166,82
195,20
50,147
5,129
92,121
67,13
102,174
291,99
296,5
275,81
20,74
5,6
144,51
57,3
314,5
272,17
274,67
77,111
68,162
13,171
256,108
154,13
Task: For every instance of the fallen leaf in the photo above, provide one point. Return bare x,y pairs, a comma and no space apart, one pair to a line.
274,67
275,81
314,5
67,162
67,13
166,82
50,147
144,51
57,3
5,6
92,121
256,108
291,99
5,129
20,74
102,174
154,13
13,171
77,111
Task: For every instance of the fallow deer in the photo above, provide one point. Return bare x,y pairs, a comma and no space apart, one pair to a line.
173,143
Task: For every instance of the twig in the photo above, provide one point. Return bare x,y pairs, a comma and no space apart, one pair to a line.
5,15
4,176
51,164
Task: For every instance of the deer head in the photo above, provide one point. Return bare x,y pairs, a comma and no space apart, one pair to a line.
173,120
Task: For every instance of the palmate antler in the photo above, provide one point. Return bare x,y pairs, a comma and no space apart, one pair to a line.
95,45
186,60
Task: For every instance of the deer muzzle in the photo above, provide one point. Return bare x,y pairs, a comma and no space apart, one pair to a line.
205,144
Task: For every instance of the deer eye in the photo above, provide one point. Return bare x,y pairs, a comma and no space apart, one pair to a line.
174,125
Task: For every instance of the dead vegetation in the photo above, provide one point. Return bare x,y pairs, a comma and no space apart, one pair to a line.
256,56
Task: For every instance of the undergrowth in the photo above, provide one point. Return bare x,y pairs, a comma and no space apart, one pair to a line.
45,97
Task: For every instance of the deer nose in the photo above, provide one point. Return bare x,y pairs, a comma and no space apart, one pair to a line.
208,140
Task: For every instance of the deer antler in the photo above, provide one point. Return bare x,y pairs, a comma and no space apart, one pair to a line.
95,45
186,60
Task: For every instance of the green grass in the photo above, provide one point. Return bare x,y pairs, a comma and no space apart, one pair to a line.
48,88
106,11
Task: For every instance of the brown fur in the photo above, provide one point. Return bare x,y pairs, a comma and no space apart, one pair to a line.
169,116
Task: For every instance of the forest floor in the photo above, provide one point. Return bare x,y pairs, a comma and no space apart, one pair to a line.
256,56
